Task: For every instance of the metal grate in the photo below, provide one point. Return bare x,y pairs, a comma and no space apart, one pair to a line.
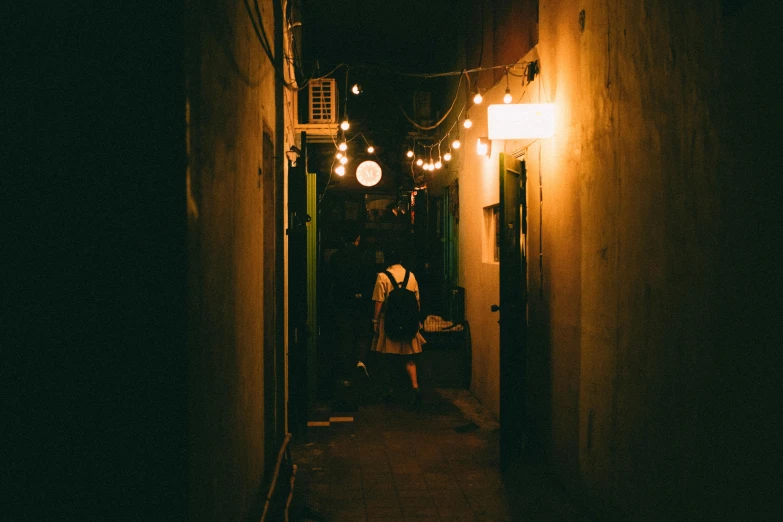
323,101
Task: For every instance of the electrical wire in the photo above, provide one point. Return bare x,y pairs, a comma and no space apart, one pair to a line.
263,39
445,116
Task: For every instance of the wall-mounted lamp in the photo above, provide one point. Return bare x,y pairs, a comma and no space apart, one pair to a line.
521,121
483,147
293,154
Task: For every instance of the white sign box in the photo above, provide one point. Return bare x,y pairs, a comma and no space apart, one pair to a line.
516,121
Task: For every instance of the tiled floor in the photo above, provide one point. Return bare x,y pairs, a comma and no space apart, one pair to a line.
397,463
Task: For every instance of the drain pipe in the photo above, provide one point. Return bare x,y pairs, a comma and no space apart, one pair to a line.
275,475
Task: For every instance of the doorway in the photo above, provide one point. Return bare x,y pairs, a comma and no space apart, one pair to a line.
513,310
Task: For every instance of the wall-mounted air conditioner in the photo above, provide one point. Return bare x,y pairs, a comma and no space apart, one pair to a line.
323,101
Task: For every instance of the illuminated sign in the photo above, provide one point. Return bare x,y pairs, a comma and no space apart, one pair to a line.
519,121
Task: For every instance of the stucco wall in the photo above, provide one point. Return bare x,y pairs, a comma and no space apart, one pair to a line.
651,316
479,182
509,30
231,106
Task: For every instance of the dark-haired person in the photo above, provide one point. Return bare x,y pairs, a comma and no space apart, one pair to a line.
349,302
407,350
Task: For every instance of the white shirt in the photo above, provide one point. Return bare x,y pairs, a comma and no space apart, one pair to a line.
383,286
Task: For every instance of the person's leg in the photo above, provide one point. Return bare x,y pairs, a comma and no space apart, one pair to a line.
344,363
345,341
362,328
410,367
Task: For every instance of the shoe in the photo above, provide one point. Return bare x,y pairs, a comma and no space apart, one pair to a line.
416,398
361,365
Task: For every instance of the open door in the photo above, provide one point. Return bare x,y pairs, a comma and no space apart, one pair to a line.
513,311
298,331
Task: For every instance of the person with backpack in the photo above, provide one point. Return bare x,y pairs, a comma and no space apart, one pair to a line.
396,317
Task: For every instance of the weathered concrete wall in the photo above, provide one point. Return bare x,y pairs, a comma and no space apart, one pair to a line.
479,186
230,85
633,258
653,315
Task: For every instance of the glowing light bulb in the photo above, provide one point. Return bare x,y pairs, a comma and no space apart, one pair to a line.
419,162
456,144
467,123
344,160
345,125
343,146
340,170
409,153
477,99
338,155
482,147
507,96
356,89
438,164
447,156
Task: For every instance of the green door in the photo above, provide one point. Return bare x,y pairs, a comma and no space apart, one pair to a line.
513,311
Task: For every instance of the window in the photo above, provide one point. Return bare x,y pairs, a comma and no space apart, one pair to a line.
490,245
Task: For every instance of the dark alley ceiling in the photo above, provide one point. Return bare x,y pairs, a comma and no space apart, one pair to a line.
376,41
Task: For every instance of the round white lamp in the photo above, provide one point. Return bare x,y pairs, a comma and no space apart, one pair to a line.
368,173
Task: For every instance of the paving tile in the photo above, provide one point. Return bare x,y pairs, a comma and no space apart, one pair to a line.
346,494
453,499
348,517
441,481
413,492
382,501
411,512
384,511
456,515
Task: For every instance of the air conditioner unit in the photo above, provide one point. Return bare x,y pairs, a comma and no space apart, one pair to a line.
323,101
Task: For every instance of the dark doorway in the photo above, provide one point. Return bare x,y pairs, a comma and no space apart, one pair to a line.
298,331
513,305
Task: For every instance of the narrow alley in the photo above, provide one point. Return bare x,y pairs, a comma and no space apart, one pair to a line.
209,205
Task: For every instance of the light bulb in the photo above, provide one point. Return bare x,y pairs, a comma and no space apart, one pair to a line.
482,147
432,165
477,99
507,96
338,155
370,149
340,170
409,153
419,162
456,144
343,146
438,164
447,156
345,125
356,89
467,123
344,160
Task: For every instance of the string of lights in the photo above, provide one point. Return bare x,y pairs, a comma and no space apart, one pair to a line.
433,162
